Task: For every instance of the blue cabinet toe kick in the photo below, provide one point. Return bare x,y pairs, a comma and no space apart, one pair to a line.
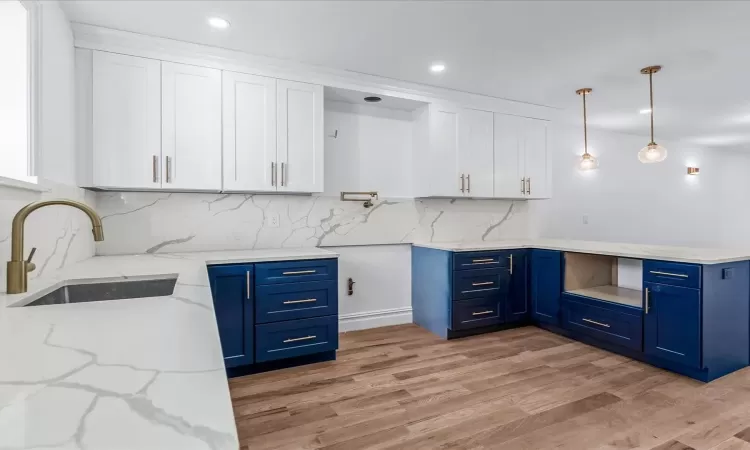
276,314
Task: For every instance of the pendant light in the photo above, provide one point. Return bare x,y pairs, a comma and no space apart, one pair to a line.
587,162
653,152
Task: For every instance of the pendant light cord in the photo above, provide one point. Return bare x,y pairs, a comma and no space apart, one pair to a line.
585,131
651,96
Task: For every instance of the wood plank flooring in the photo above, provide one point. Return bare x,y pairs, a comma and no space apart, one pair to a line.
403,388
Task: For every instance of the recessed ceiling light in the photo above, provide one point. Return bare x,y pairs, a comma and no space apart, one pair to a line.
645,111
372,99
437,67
218,22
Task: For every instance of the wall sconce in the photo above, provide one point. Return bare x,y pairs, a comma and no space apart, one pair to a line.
693,170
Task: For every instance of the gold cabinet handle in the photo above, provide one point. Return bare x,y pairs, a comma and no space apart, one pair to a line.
596,323
273,174
669,274
306,338
482,313
155,168
307,300
523,185
462,182
468,183
646,300
484,283
511,263
528,185
247,280
298,272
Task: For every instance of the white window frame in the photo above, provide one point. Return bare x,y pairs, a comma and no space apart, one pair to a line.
34,123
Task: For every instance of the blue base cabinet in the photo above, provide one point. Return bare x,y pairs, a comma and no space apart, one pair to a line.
546,285
276,311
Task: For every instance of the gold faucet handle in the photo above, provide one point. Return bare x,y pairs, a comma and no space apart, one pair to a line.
30,266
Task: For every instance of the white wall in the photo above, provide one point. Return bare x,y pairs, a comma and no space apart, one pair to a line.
372,151
627,201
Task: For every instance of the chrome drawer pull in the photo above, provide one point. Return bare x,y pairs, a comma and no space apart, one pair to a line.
485,283
479,290
482,313
299,272
306,338
482,263
290,302
680,275
483,260
596,323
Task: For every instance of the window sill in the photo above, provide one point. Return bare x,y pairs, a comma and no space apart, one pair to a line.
28,184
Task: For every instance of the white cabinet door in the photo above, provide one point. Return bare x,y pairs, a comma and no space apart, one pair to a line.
126,121
475,158
249,104
538,180
299,155
442,154
191,127
509,156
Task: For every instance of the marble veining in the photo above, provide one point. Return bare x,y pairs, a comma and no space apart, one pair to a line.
624,250
143,373
148,222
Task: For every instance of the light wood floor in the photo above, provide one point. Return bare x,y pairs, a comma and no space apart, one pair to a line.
401,387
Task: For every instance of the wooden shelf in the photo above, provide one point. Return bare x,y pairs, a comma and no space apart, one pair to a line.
614,294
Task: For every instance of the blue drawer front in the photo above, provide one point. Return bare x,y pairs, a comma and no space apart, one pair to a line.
296,271
277,302
480,283
480,260
478,312
604,324
672,273
296,338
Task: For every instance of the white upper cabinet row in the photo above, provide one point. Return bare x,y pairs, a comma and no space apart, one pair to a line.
168,126
470,153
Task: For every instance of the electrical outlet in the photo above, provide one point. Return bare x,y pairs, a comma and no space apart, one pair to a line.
585,219
272,219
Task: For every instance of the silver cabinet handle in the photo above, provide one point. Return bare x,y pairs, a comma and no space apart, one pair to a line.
482,260
646,300
155,168
596,323
299,272
462,182
484,283
468,183
273,174
523,185
247,280
669,274
528,185
300,339
308,300
479,290
511,263
169,169
482,313
282,174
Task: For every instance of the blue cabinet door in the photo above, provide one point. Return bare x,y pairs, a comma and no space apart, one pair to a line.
517,303
546,285
672,323
231,286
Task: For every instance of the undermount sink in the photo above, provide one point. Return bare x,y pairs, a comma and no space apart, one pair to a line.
107,290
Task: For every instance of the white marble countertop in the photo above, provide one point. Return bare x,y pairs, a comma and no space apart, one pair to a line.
623,250
145,374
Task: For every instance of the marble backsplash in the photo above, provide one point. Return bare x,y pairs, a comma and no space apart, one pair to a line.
151,222
62,235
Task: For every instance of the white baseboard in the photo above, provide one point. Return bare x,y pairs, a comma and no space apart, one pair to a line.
374,319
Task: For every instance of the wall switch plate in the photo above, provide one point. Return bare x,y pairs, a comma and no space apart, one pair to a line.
272,219
585,219
727,274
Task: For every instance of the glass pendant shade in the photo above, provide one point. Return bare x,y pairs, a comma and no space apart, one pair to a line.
652,153
588,162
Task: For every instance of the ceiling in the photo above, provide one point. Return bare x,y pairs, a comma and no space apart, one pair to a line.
533,51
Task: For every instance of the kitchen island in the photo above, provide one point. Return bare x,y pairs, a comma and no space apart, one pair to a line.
143,373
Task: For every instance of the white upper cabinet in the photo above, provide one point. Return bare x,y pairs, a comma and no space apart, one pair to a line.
522,167
191,127
299,137
475,155
249,132
125,122
439,163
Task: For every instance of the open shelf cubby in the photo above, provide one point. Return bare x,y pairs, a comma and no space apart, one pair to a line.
603,277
